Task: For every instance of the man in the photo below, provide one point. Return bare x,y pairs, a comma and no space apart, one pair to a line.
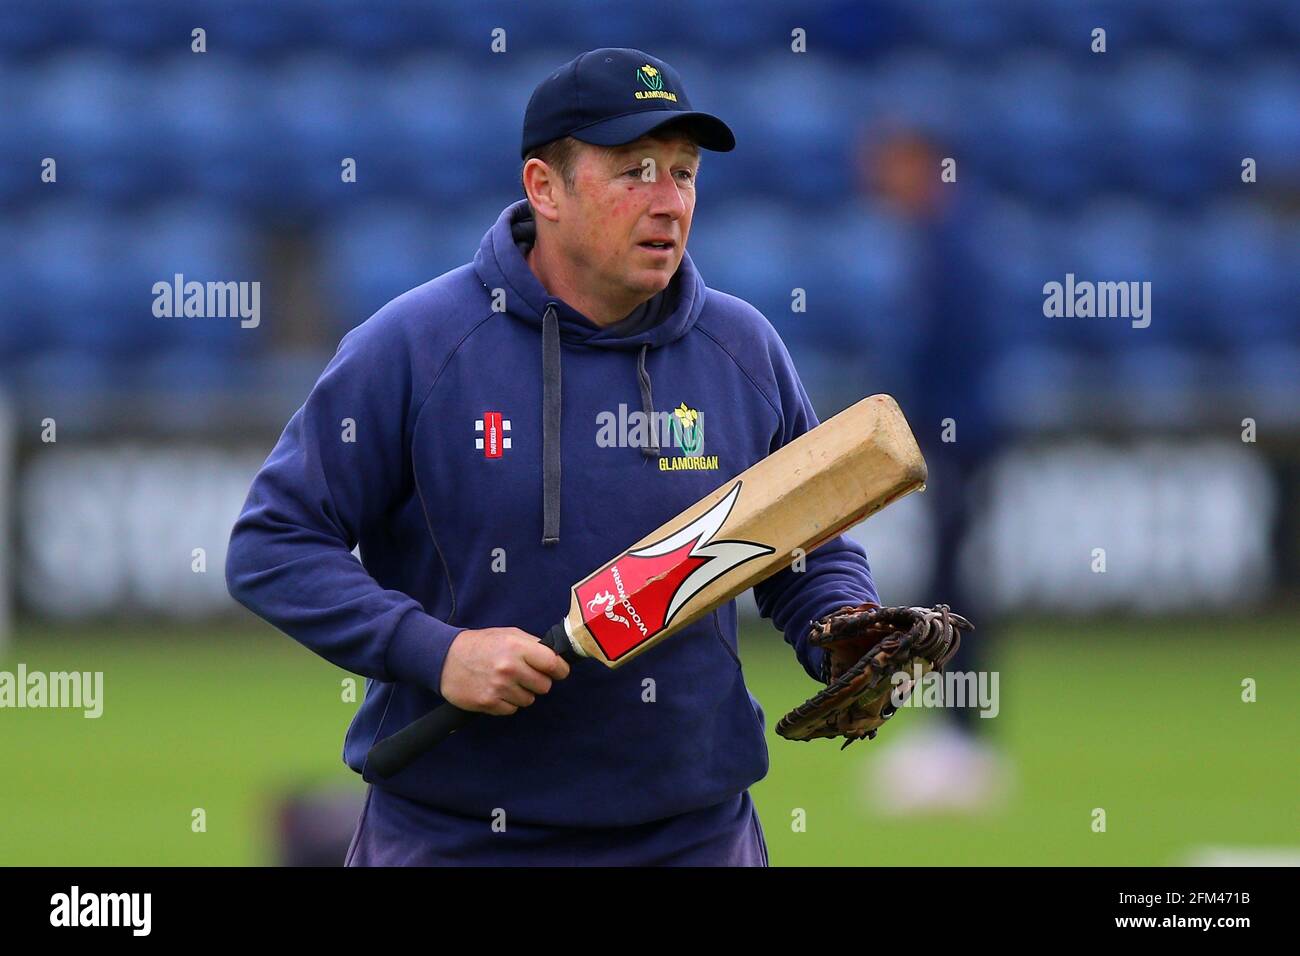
480,483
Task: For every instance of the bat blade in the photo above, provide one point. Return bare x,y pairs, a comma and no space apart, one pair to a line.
749,528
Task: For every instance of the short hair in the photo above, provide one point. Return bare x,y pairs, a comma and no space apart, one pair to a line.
559,154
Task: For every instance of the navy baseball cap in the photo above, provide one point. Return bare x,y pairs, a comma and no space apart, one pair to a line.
613,96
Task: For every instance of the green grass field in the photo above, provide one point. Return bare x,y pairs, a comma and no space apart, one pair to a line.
1153,730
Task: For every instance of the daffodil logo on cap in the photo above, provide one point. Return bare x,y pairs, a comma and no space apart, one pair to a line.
651,77
653,81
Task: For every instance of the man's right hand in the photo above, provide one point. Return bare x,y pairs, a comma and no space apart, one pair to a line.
497,670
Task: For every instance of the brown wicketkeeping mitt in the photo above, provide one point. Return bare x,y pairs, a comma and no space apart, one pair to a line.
864,645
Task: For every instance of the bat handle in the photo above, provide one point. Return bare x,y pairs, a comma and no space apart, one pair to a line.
395,753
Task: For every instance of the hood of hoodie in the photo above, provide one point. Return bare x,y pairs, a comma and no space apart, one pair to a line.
662,319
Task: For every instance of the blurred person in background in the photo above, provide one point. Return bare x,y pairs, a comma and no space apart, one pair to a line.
950,763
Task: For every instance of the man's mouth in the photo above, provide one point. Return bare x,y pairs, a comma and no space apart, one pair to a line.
661,245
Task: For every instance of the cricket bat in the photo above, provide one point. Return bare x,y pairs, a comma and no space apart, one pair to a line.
749,528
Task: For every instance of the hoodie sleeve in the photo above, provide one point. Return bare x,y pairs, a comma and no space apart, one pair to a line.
341,464
836,573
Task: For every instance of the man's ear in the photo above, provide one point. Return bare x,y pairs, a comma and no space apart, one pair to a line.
541,185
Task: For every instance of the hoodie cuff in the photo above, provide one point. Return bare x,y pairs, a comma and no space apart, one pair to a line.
816,663
418,649
813,657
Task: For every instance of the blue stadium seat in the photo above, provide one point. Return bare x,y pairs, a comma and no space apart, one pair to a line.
457,233
1015,253
1238,268
436,148
968,26
184,373
1162,137
135,26
851,29
74,374
31,28
371,29
467,28
1031,138
1207,27
491,147
384,248
859,267
91,118
73,255
1280,21
255,29
738,27
22,328
921,90
1179,293
376,252
216,136
1264,120
747,250
1068,24
322,109
581,25
1290,253
790,138
1032,385
1263,325
19,156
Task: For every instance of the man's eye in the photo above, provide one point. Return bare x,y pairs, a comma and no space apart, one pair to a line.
640,173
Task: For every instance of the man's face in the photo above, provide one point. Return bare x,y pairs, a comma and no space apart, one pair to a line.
624,198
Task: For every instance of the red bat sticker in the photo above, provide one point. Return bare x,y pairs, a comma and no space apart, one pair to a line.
637,595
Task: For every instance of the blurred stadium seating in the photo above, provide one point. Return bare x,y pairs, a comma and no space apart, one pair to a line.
210,161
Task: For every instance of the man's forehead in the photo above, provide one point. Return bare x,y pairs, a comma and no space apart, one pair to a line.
680,143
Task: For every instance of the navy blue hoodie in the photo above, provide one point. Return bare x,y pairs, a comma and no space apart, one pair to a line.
402,448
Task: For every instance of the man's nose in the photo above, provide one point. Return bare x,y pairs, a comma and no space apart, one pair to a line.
667,198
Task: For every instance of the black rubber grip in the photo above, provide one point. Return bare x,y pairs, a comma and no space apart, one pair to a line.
393,754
